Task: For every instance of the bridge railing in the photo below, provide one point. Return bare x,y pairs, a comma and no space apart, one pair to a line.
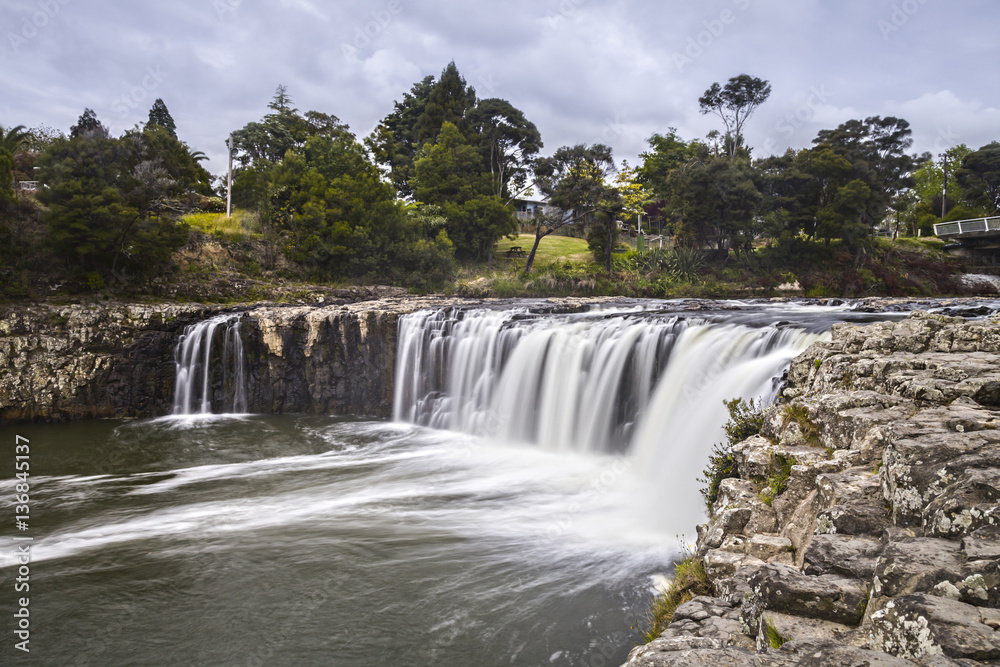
967,226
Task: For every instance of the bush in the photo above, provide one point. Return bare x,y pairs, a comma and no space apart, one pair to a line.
689,582
745,420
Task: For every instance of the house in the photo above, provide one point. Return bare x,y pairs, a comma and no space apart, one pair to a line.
528,209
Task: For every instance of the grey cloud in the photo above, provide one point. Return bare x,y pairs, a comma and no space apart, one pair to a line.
583,70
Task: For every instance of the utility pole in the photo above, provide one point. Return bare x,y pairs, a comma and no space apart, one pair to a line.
229,179
944,192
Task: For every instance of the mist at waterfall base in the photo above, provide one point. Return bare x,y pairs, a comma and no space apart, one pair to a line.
516,512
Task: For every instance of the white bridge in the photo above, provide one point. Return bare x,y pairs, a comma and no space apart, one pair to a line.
968,229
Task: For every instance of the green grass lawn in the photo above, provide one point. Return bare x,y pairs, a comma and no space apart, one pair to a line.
231,229
551,249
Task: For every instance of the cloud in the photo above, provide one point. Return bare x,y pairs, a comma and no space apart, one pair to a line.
584,71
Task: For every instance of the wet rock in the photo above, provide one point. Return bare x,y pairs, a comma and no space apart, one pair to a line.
982,544
988,394
711,618
693,652
938,567
771,549
970,503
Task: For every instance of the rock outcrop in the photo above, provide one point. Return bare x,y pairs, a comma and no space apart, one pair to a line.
884,546
60,363
335,357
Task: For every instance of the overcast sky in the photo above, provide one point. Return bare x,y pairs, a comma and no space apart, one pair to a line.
584,71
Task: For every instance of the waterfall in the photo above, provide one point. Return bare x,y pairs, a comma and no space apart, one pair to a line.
645,386
197,353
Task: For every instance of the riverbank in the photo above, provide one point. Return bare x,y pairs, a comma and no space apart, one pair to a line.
882,543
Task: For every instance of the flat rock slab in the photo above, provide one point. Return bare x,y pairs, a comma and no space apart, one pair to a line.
845,555
828,597
922,626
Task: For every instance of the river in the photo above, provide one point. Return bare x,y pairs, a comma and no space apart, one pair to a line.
517,511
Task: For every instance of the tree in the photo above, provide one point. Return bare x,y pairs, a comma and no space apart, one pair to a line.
448,173
735,104
718,203
449,101
929,178
508,144
876,148
340,219
88,124
12,142
159,115
394,142
15,139
633,193
108,203
574,181
260,146
979,177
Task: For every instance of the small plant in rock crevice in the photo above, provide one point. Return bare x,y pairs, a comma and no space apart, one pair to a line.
690,581
777,482
745,421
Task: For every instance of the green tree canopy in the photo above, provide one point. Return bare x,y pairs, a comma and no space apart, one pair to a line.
979,177
735,103
110,203
159,115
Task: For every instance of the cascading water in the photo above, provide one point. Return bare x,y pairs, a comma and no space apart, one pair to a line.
193,389
648,386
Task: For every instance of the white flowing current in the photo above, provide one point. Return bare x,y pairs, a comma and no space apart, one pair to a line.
193,388
649,389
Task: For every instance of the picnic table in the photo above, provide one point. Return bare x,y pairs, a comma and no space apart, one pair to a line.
515,251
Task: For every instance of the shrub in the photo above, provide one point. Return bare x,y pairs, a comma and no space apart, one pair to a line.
689,582
745,420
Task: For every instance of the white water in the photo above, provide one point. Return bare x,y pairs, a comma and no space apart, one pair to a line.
650,387
193,389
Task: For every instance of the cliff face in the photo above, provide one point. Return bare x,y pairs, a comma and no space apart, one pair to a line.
59,363
335,360
884,546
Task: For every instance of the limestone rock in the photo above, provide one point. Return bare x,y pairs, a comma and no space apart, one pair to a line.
844,555
920,626
826,597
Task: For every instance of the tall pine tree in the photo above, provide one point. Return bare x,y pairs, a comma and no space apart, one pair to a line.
159,115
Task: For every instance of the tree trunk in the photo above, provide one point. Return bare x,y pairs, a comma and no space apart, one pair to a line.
607,250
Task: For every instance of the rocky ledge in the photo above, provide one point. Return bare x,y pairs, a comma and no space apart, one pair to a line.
335,355
883,548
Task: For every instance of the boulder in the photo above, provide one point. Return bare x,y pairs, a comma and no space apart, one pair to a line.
844,555
921,626
827,597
